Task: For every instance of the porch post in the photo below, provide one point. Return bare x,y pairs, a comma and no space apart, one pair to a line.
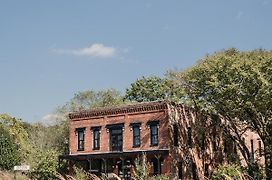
159,163
105,162
90,165
123,167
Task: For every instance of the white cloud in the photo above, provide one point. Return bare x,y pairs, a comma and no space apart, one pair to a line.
96,50
51,119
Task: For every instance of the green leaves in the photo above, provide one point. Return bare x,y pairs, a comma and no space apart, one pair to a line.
85,100
9,154
153,88
236,85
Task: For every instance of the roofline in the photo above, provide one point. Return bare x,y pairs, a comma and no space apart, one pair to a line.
132,108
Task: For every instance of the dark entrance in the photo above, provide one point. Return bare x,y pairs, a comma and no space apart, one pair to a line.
124,169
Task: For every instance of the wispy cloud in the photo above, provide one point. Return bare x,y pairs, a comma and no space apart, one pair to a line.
51,119
239,15
265,2
97,50
166,27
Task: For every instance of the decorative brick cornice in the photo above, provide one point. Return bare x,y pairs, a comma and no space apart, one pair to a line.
139,107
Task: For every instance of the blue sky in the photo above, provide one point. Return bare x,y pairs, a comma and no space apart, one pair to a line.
51,49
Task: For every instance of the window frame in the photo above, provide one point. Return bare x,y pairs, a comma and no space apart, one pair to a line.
175,135
80,142
154,135
111,128
189,137
136,136
96,137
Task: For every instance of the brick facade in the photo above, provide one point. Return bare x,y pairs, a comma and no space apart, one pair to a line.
189,158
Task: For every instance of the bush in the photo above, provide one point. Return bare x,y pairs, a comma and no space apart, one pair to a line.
9,154
45,166
226,172
142,169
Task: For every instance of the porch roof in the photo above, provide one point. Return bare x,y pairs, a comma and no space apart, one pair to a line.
121,154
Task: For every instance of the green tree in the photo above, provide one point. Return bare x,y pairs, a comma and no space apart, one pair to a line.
153,88
15,128
237,86
85,100
44,165
9,154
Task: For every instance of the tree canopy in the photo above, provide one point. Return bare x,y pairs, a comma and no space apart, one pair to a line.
236,85
85,100
153,88
9,153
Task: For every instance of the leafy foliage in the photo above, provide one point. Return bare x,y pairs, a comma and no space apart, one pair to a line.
85,100
16,130
238,86
226,172
44,165
153,88
9,154
142,169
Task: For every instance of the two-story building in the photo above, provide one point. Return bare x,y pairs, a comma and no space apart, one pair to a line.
176,144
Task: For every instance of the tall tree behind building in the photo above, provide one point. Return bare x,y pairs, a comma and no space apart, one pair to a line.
238,86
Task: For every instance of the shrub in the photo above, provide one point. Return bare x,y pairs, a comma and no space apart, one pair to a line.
142,169
226,172
9,154
45,166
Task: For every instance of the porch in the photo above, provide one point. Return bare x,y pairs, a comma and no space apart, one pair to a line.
119,163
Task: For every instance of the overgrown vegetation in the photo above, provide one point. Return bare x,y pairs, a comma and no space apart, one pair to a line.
231,171
142,169
9,154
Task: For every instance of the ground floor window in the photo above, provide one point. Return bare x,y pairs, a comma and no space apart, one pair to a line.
156,163
179,170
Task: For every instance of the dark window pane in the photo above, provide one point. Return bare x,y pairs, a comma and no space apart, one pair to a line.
252,149
179,170
176,135
96,138
116,139
189,137
154,134
80,140
136,136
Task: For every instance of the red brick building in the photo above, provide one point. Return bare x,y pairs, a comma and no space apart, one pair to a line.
108,140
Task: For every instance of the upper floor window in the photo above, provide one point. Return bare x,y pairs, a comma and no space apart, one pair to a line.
154,133
136,135
189,137
115,136
175,134
252,149
96,138
260,147
80,138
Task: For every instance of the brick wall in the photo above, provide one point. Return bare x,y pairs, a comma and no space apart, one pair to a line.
126,118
